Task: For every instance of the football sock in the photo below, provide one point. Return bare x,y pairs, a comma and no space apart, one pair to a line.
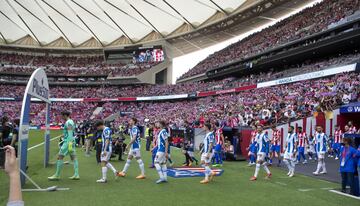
110,166
104,171
127,165
158,169
266,168
76,167
141,165
164,171
257,168
59,165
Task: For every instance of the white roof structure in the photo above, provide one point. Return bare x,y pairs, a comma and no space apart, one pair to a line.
100,23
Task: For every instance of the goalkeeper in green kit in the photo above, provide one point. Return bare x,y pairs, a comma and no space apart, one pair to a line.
67,148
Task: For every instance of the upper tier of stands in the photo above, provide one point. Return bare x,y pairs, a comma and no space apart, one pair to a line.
7,90
69,65
307,22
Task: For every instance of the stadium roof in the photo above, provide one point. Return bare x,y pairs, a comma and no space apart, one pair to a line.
86,24
77,22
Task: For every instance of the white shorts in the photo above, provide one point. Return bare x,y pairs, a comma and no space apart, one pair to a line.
321,155
105,158
205,159
289,156
260,156
134,153
191,154
160,158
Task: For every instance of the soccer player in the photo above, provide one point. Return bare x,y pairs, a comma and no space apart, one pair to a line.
252,147
207,152
275,145
162,152
290,151
261,140
303,140
321,141
134,149
219,140
106,151
67,148
352,128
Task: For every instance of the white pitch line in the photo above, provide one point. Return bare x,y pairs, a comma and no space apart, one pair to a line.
281,183
42,143
304,190
344,194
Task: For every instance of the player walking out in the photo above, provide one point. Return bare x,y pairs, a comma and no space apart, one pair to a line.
207,153
106,150
162,152
219,140
275,145
321,141
134,150
252,147
261,140
290,151
303,140
67,148
338,135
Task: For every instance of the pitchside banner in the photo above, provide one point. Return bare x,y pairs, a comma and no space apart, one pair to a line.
37,87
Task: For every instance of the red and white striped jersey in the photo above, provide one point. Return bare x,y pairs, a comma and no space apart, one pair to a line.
352,129
276,136
253,136
218,133
338,136
302,139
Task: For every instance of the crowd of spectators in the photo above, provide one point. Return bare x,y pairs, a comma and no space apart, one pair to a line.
190,87
267,105
69,65
307,22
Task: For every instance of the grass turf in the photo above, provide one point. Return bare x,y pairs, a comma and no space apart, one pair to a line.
232,188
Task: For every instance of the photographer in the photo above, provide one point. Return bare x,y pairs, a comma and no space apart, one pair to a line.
11,168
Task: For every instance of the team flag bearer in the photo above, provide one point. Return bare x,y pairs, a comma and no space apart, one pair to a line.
262,141
321,140
162,152
290,151
134,146
67,148
106,150
207,153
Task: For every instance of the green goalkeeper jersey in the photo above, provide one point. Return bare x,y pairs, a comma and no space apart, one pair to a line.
69,130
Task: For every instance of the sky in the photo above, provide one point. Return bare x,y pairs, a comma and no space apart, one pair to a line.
183,63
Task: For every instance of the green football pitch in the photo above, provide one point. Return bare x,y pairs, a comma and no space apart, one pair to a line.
232,188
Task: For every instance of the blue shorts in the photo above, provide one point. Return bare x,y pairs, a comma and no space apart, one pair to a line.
218,148
301,149
336,146
253,149
155,151
275,148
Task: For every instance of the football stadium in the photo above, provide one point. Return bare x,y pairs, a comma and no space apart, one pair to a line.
179,102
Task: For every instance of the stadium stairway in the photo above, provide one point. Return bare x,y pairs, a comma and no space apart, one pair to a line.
97,111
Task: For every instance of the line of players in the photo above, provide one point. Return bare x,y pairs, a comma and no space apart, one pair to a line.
262,149
211,146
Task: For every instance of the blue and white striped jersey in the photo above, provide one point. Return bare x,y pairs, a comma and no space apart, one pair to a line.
209,138
262,140
106,135
134,131
291,139
321,141
161,139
